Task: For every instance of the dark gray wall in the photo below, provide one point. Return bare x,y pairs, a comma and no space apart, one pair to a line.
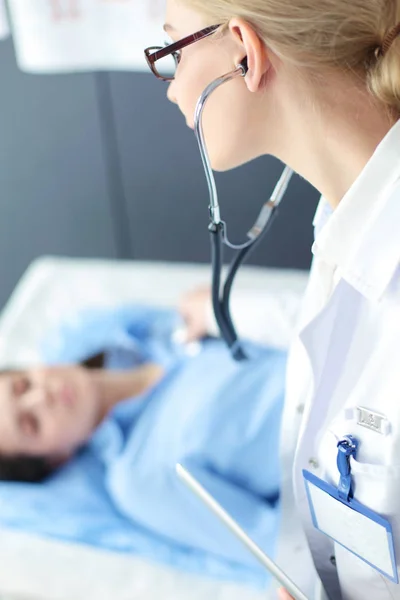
53,177
166,191
102,165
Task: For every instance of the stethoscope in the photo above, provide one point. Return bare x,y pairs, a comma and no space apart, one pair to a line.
218,230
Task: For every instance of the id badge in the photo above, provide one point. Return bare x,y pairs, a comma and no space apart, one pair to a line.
337,514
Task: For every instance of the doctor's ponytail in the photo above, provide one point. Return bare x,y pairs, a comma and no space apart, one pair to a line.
384,75
318,34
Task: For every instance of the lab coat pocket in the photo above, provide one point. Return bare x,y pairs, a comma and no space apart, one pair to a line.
373,471
375,485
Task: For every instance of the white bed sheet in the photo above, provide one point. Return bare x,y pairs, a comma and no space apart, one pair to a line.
54,289
35,568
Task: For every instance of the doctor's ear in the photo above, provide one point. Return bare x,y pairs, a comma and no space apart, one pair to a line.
257,63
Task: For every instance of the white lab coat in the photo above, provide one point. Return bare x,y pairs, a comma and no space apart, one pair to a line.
346,355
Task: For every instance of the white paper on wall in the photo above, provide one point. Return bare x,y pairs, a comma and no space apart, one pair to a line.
4,26
53,36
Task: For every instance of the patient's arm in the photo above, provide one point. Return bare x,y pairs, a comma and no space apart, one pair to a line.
263,317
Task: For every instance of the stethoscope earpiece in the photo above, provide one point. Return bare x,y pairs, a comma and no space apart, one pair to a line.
244,66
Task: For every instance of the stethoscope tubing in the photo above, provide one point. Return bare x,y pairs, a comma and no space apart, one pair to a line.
218,229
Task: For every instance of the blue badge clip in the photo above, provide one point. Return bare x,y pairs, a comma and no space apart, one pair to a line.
347,447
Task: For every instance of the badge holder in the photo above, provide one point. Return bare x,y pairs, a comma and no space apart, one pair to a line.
336,513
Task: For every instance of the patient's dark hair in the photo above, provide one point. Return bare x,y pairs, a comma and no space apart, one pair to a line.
30,469
34,469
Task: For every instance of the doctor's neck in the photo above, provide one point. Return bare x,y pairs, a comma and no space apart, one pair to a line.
333,133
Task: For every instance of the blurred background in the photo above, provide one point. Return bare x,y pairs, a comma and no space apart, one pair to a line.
95,162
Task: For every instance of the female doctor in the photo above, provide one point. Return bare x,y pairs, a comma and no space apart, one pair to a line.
322,94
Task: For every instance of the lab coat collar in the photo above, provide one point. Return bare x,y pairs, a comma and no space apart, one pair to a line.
324,212
361,237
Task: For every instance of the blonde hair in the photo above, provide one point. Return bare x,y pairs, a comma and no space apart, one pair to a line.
317,34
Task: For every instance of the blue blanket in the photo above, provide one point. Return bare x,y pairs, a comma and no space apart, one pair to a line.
219,417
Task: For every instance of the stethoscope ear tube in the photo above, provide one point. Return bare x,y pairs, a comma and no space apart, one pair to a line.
221,309
221,305
240,258
217,227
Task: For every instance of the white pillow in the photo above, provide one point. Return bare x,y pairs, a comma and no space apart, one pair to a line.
55,289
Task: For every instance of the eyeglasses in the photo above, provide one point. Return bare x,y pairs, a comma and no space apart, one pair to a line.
163,60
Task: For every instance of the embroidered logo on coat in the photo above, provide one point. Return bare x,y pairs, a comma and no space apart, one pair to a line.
371,420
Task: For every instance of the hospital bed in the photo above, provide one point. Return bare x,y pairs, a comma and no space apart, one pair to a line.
55,289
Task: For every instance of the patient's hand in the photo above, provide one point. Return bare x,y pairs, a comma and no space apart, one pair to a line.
193,308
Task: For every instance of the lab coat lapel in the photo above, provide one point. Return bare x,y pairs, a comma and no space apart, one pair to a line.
326,339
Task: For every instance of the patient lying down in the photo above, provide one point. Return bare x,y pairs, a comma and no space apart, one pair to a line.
140,407
48,413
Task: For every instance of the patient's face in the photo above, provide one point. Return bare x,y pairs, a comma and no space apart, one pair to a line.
47,412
